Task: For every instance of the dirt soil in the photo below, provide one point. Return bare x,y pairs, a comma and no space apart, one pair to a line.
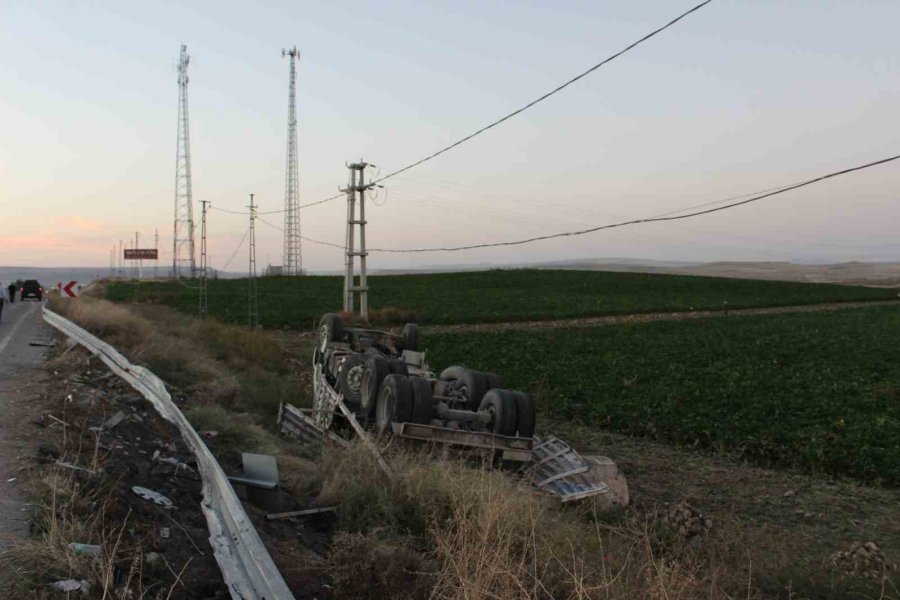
648,317
793,524
138,451
132,450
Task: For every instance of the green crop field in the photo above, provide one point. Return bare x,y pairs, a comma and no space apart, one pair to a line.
488,296
816,390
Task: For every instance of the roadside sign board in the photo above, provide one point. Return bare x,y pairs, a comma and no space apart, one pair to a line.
141,254
68,290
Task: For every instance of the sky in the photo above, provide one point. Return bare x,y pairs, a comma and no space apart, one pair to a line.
740,96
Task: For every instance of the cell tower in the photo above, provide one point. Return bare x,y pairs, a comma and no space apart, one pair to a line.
293,257
183,239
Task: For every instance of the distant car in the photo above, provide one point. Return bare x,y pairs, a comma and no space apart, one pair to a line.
32,289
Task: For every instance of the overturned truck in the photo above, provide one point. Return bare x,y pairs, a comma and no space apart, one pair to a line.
380,383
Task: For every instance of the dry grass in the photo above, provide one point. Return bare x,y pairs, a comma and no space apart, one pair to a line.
486,536
235,377
74,506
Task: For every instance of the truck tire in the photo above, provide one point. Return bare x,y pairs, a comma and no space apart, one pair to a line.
376,371
394,403
349,379
411,337
452,372
331,329
474,384
495,381
524,414
422,401
502,403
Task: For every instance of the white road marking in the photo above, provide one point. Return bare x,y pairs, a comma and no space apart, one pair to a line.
15,328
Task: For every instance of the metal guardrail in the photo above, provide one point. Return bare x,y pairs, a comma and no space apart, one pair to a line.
246,566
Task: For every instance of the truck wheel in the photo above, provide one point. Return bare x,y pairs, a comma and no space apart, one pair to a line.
422,401
502,404
372,378
524,414
474,385
452,372
495,381
331,329
398,367
350,379
394,403
411,337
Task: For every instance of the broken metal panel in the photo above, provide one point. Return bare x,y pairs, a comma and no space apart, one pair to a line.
246,566
557,468
295,423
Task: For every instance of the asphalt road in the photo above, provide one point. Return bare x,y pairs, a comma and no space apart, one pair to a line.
20,325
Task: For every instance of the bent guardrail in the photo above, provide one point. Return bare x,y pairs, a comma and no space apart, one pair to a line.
246,566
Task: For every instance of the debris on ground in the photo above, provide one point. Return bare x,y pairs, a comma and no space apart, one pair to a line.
861,559
72,585
685,520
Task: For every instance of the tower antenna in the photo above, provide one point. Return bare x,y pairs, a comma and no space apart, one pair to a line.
293,257
183,238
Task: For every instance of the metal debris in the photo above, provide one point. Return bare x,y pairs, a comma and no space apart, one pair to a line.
114,420
85,549
72,585
151,496
300,513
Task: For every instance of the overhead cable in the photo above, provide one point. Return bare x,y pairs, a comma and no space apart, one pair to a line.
520,110
545,96
671,216
233,254
310,240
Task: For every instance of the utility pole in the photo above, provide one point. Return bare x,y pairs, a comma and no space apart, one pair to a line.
121,259
351,287
183,237
253,310
292,260
140,265
156,245
203,259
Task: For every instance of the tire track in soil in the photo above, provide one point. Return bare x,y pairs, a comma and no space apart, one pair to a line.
651,317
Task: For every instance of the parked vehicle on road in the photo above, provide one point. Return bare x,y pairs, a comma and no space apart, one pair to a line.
32,289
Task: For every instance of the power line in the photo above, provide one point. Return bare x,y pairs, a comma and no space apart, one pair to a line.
518,111
233,254
649,219
231,212
548,94
304,238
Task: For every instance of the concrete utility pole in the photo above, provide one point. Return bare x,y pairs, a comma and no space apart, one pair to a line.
253,309
183,237
292,260
137,244
156,245
203,259
351,287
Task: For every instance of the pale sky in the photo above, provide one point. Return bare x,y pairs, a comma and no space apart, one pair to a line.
738,97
